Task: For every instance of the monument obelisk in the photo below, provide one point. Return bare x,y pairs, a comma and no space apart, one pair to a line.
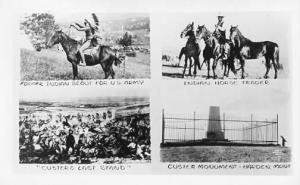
214,130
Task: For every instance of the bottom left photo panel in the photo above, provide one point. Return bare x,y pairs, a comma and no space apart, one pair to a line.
84,126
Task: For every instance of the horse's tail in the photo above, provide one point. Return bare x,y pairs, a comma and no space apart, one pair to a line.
181,53
276,58
117,61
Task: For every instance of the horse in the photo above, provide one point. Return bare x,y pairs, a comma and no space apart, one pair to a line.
191,49
103,55
228,54
246,49
211,50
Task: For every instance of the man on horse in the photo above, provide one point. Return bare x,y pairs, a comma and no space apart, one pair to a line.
90,38
220,34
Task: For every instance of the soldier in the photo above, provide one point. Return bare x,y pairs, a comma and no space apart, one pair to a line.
70,141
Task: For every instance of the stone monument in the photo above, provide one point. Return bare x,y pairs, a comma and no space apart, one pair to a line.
214,131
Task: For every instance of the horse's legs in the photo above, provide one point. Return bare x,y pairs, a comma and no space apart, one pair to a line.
112,72
75,71
242,61
268,65
229,66
201,64
224,62
208,67
275,68
190,68
196,63
106,72
184,67
214,67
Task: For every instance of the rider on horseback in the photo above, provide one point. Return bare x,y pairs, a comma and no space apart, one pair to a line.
220,33
90,38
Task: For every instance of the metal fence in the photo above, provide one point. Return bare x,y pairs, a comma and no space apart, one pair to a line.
194,129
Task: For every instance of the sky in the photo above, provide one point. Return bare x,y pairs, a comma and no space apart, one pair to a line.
264,102
272,26
62,17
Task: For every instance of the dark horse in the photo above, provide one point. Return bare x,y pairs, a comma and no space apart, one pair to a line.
102,55
227,54
191,49
212,51
246,49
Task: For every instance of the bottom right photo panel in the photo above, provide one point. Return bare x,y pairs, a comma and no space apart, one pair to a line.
226,125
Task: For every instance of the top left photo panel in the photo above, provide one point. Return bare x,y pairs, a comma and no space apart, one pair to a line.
84,46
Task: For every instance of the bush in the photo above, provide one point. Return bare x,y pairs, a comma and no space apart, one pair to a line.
126,40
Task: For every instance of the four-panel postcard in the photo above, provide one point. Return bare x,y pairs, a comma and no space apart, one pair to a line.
158,91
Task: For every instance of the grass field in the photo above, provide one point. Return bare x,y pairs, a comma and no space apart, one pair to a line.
225,154
53,65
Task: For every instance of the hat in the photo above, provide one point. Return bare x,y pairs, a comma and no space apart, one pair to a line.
220,15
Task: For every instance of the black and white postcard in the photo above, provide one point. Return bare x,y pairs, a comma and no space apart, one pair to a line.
150,92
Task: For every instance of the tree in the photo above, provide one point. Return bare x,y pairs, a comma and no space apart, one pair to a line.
126,40
39,27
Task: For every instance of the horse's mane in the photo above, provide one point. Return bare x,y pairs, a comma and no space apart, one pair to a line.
207,34
241,36
191,35
209,38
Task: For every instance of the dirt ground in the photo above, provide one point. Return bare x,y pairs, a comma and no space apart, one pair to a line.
254,69
53,65
225,154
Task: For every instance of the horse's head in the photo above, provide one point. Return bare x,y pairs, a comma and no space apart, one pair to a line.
200,31
187,30
56,38
233,32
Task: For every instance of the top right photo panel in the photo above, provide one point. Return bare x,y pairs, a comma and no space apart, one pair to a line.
225,45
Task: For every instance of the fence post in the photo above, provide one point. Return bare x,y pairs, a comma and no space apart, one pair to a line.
251,129
224,124
184,132
163,128
277,128
194,126
266,132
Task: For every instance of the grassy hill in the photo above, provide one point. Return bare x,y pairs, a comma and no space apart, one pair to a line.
53,65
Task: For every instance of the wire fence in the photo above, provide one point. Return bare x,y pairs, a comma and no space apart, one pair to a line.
193,128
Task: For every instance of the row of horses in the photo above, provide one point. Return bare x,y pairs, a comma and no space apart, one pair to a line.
236,47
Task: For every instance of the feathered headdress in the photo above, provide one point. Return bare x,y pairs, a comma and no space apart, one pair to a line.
96,20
